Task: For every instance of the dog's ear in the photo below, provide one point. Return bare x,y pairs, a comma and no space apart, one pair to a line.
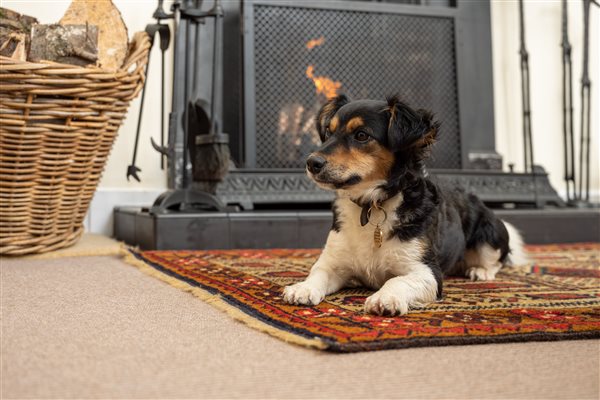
327,112
409,129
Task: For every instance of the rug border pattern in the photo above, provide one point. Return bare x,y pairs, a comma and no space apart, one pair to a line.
257,320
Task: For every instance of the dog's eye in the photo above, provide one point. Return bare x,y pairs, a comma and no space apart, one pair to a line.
361,136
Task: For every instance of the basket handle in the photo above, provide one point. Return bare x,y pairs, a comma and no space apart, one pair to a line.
138,52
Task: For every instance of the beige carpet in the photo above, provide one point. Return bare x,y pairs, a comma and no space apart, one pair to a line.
89,244
94,327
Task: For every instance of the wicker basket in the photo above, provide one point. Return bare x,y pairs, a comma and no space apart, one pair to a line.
57,126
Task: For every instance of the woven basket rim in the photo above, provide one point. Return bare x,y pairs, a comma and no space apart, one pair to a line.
136,41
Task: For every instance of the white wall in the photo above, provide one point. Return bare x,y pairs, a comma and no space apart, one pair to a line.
543,40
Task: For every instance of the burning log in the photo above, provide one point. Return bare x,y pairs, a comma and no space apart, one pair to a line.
296,130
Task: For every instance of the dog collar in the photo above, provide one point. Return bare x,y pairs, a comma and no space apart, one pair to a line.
365,217
365,213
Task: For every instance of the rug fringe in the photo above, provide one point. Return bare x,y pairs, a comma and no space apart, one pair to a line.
218,302
116,251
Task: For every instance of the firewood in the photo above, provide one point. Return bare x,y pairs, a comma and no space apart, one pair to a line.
112,32
15,30
66,44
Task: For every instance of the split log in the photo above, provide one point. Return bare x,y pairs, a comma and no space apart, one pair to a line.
15,30
66,44
112,32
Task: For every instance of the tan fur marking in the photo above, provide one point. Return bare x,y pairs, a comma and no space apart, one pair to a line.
353,160
427,140
383,164
359,161
372,164
341,158
333,125
383,159
392,110
354,123
328,108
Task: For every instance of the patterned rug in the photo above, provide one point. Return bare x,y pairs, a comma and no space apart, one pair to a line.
555,298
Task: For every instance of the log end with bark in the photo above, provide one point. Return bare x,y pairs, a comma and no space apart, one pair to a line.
15,32
66,44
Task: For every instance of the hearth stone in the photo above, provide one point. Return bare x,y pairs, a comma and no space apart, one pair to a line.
308,229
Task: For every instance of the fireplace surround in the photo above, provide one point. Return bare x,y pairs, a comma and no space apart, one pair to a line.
434,54
281,59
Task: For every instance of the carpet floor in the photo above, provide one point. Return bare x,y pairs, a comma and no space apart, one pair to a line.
95,327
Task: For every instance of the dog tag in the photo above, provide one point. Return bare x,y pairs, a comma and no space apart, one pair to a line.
378,236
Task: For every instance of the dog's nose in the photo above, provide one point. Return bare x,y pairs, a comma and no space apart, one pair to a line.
315,164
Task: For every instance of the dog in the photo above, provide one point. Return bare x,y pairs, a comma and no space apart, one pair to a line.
395,229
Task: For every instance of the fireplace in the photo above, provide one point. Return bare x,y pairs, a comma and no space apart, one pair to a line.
292,55
281,60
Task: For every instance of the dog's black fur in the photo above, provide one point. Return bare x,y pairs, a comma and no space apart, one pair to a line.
449,220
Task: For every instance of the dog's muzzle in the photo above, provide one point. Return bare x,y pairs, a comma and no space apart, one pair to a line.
315,164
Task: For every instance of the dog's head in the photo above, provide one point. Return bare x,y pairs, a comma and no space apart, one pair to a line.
369,145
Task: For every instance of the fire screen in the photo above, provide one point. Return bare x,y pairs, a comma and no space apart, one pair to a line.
299,56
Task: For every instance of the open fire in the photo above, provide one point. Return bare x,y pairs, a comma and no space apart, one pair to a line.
296,125
323,84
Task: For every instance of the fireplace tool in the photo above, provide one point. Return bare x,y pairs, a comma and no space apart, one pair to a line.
568,139
201,139
582,196
529,165
577,191
164,34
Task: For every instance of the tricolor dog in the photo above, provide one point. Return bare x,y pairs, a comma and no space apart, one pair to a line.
395,230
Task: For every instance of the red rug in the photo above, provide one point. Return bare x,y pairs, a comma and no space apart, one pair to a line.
556,298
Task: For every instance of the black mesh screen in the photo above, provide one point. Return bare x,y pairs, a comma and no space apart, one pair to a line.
368,54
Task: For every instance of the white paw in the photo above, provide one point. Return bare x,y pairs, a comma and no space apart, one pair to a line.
303,293
386,303
480,274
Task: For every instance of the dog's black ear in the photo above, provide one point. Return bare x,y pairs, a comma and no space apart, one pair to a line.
327,112
410,129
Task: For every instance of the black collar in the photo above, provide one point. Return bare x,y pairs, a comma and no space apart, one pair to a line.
364,214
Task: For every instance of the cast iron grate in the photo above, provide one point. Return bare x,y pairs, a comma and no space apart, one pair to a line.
372,54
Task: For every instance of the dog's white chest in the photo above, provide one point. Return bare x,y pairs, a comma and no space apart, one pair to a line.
369,263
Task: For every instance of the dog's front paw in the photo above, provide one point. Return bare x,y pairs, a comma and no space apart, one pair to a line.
480,274
386,303
303,293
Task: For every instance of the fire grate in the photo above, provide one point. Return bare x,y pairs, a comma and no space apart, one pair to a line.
360,53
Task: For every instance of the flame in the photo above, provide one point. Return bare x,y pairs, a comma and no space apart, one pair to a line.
312,43
323,84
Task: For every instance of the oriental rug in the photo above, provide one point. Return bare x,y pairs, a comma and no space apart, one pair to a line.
557,297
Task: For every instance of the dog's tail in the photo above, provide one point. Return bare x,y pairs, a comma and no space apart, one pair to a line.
517,254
